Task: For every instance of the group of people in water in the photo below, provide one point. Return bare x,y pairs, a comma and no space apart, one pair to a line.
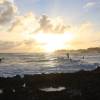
67,54
68,57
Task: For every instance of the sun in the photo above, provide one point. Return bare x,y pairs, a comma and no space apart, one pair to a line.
51,42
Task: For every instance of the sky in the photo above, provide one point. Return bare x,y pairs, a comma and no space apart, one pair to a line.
48,25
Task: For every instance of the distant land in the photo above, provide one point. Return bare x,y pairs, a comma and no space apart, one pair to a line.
88,50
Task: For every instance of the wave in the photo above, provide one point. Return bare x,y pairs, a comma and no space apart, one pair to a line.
38,63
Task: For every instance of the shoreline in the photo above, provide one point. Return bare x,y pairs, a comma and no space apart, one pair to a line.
82,85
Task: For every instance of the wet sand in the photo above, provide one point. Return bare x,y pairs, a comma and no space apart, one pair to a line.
82,85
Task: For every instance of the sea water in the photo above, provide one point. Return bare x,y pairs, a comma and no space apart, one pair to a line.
36,63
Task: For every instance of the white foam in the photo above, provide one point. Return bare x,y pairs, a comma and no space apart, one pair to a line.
52,89
1,91
24,85
13,90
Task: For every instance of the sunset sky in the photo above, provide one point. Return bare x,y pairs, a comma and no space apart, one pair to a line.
49,25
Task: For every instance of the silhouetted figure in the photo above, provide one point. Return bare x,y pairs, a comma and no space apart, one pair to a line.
0,60
68,55
83,57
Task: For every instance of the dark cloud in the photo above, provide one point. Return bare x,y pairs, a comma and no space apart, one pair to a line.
45,24
7,12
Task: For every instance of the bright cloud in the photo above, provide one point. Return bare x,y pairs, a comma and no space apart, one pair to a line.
90,4
35,24
86,36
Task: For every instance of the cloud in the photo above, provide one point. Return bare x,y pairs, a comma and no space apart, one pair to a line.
17,27
23,24
90,4
85,31
27,46
20,28
45,24
51,25
22,46
34,24
7,45
85,36
7,12
86,27
12,1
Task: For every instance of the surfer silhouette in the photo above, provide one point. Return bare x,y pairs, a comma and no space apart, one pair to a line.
68,55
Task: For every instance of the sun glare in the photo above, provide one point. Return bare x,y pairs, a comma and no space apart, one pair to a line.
51,42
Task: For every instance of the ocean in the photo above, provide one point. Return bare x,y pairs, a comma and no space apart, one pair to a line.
37,63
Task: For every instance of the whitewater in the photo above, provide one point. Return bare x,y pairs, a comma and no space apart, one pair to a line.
37,63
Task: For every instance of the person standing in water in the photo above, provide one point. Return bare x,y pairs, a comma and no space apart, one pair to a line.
0,59
83,57
68,55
